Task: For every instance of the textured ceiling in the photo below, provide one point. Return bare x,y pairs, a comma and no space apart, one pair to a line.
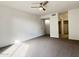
52,6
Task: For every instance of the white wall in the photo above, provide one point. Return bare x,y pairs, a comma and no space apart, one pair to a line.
18,25
54,26
73,16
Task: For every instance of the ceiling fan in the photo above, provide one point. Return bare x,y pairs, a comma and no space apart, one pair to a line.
42,5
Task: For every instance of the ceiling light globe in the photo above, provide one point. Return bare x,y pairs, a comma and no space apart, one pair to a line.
40,8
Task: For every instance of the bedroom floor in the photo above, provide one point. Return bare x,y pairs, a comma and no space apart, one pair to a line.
43,47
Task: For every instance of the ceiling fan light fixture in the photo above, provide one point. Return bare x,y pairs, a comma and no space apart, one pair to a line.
40,8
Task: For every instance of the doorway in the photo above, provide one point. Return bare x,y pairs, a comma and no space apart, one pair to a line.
63,25
47,26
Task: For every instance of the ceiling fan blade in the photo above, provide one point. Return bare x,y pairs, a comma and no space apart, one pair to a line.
35,7
44,9
45,3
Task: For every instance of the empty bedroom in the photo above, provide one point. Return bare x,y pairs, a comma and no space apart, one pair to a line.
39,29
